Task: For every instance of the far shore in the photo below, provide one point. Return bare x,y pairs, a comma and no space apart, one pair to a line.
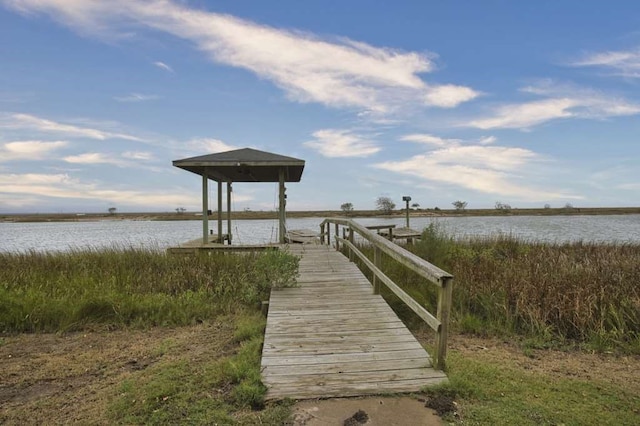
249,215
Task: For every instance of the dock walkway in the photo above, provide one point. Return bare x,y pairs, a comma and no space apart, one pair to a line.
332,337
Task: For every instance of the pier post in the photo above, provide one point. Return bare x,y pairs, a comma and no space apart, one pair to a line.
220,212
228,212
282,206
205,209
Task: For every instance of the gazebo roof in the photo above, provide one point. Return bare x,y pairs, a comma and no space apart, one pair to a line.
244,165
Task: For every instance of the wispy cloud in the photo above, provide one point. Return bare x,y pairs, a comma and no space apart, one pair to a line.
96,158
429,139
45,126
487,169
341,143
163,66
29,150
625,63
35,187
202,146
126,159
64,186
138,155
136,97
335,72
562,102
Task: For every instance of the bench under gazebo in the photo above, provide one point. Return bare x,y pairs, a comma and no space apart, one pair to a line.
241,165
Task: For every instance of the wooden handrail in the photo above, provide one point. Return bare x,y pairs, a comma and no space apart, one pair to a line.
435,275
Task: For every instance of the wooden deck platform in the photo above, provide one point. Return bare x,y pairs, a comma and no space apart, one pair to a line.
332,337
195,246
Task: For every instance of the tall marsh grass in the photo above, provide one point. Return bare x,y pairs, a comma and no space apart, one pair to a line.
132,287
584,292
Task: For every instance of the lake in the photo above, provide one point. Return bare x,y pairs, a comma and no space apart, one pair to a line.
59,236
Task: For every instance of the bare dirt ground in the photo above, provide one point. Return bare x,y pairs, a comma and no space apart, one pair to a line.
56,379
53,379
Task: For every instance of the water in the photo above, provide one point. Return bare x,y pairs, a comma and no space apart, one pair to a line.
58,236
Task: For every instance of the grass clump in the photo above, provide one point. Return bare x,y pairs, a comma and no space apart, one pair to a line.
492,392
50,292
224,389
584,292
551,294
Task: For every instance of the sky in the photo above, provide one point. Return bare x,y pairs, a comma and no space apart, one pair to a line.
522,103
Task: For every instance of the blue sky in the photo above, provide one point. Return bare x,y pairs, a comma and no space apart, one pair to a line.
526,103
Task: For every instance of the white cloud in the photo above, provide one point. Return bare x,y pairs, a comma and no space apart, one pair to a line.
337,72
29,150
96,158
41,125
449,95
63,186
624,63
163,66
429,139
203,146
562,102
138,155
486,169
33,186
487,140
136,97
630,186
341,143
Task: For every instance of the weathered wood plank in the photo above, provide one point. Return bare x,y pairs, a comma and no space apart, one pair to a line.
347,367
332,337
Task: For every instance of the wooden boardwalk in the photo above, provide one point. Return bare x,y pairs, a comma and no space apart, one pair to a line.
333,337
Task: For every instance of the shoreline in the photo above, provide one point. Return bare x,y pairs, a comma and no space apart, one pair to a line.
261,215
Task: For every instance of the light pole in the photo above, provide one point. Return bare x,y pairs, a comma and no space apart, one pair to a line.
407,199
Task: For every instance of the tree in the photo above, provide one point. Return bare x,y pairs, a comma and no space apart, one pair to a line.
385,204
502,206
460,205
547,206
568,206
347,208
415,206
180,210
112,210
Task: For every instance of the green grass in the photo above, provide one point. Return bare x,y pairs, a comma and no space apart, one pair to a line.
224,390
51,292
492,393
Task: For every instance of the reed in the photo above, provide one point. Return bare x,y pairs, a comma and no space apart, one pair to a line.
575,292
121,286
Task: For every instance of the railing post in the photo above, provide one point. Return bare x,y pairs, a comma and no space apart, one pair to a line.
322,233
328,233
351,241
337,236
444,308
376,262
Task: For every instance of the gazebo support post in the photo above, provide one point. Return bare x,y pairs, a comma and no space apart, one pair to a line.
229,210
205,212
220,212
282,206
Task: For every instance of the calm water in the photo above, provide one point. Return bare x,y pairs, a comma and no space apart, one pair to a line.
55,236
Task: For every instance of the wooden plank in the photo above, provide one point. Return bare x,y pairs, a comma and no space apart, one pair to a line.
345,348
331,337
338,358
347,367
352,389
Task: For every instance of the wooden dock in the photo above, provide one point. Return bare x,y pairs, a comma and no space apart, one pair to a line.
332,337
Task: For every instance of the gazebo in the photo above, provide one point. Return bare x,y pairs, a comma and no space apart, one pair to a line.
241,165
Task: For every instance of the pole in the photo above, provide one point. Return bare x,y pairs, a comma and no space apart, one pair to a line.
229,211
220,212
205,205
282,206
407,213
